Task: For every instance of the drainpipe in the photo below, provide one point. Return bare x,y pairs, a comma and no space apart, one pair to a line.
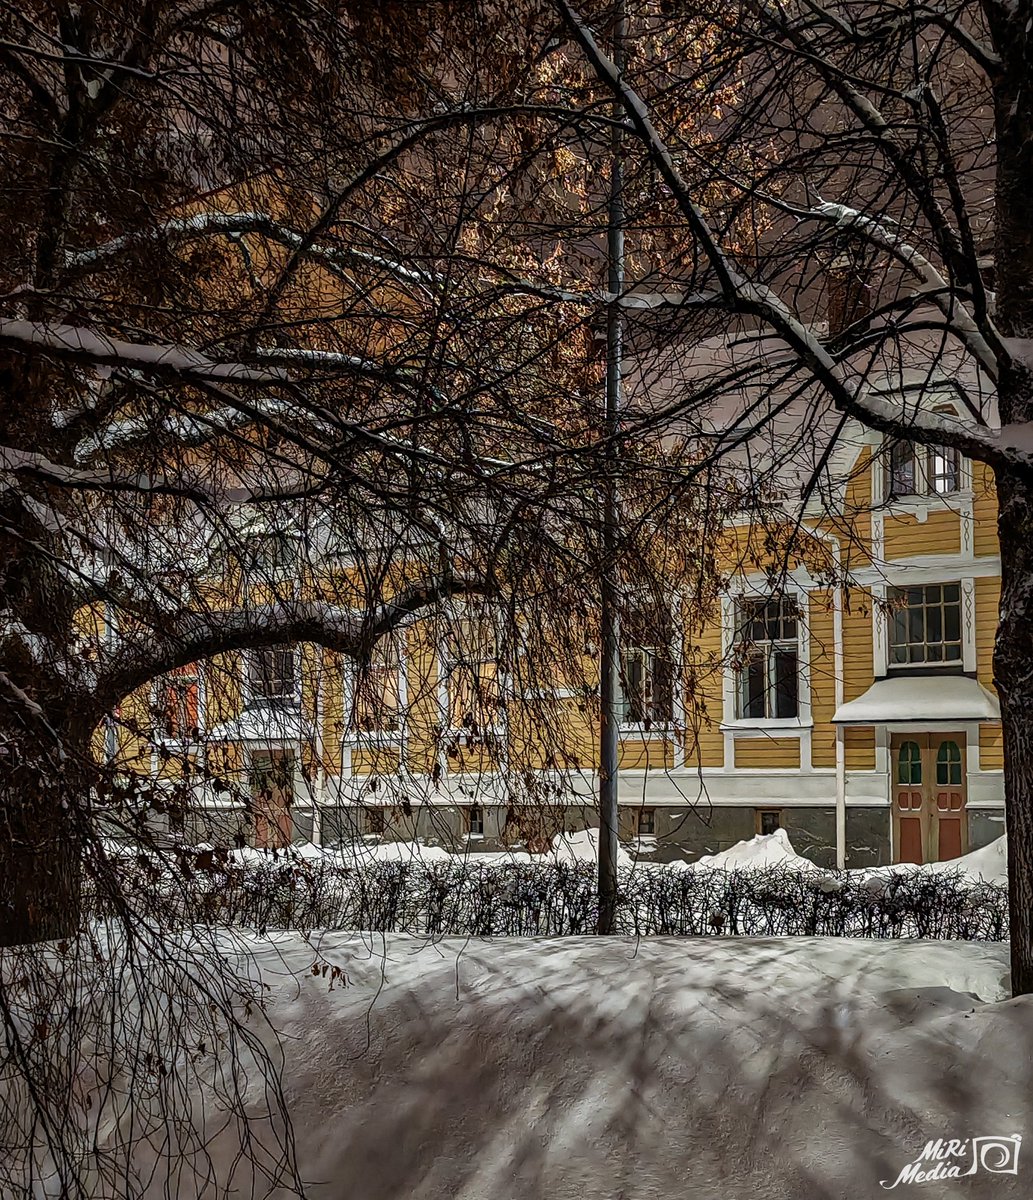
837,667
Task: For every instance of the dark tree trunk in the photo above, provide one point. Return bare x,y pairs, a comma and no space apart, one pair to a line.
1013,677
1013,653
42,807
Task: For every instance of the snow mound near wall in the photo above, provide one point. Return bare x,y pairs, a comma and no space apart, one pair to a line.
582,847
722,1070
759,853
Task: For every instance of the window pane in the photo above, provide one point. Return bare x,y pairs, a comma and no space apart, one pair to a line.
785,683
951,593
754,688
952,622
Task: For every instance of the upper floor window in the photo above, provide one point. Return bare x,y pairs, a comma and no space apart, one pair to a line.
271,554
377,699
913,470
474,684
178,707
272,673
925,625
769,648
646,667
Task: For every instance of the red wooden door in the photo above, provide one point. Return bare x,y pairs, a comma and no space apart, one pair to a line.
273,773
908,801
950,800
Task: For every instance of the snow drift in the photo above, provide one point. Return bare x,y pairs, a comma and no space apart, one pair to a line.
783,1070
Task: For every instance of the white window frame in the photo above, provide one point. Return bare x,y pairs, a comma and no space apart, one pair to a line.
353,736
923,577
660,727
764,726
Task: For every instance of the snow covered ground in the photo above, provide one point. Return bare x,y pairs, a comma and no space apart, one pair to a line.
581,1068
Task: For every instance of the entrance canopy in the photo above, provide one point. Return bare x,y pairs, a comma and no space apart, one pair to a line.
264,724
923,699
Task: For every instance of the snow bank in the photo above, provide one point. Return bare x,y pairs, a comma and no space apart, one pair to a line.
582,847
782,1070
988,864
759,853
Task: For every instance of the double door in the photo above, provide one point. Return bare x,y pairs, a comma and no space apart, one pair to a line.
929,821
272,777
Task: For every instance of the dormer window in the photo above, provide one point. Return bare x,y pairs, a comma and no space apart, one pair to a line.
913,470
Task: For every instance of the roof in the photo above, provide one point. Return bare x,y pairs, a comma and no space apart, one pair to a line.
930,699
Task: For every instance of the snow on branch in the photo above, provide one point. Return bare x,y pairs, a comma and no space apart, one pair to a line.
939,290
208,224
193,635
88,345
1011,446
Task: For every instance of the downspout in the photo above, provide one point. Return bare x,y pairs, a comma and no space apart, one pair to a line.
837,668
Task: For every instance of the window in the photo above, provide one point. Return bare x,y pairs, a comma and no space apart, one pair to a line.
271,673
913,470
909,763
925,625
474,691
646,822
475,820
374,820
377,702
768,642
178,696
646,668
271,553
948,764
768,820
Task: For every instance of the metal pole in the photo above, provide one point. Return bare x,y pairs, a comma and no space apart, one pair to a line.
609,618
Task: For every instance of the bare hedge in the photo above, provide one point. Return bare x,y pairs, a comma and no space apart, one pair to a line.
555,900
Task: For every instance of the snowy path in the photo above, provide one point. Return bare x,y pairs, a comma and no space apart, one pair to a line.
576,1069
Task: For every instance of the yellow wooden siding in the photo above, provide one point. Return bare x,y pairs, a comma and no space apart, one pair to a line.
374,760
905,536
641,755
859,746
858,652
823,679
991,748
984,497
763,753
988,601
704,699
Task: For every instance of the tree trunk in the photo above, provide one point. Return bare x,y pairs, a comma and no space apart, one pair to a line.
1013,678
41,815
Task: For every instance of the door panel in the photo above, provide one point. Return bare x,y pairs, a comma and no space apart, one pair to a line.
929,796
272,781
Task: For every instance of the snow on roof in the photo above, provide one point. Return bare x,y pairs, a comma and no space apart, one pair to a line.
264,723
940,698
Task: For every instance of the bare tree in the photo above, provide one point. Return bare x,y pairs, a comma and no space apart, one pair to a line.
884,147
291,269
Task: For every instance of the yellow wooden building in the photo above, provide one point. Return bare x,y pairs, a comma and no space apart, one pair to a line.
852,704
